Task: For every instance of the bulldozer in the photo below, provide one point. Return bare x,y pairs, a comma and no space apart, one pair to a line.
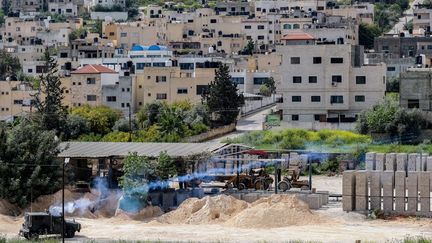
292,179
257,179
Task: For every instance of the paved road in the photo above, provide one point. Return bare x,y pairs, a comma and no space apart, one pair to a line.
246,124
408,16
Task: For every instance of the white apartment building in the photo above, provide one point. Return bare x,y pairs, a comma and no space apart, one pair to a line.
265,7
326,83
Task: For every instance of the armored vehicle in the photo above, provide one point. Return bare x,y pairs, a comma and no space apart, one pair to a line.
40,223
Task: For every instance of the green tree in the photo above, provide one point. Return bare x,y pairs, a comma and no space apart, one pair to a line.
222,98
48,100
100,118
264,90
171,125
249,48
270,84
367,34
75,127
149,114
28,164
6,6
9,65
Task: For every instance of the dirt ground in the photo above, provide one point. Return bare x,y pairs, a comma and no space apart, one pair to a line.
339,226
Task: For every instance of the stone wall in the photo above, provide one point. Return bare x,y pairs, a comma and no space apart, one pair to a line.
213,133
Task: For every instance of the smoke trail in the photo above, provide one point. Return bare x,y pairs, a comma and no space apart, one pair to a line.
79,206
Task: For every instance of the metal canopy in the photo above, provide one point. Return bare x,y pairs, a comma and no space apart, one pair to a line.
113,149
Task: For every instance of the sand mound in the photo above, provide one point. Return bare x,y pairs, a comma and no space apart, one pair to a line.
275,211
146,213
9,209
207,210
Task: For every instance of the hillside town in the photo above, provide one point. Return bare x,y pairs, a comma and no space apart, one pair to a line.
215,121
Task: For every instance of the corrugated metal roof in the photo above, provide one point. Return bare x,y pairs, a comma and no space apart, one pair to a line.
108,149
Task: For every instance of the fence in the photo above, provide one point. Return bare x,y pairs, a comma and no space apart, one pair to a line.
398,184
252,105
213,133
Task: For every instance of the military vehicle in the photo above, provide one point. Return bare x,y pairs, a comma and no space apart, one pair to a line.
40,223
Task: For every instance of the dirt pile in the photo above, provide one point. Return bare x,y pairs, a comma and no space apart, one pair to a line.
9,209
275,211
207,210
146,213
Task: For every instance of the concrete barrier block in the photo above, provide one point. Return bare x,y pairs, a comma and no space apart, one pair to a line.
401,161
390,162
156,198
429,163
197,192
181,196
379,161
375,190
412,188
361,191
388,185
400,177
348,190
324,196
251,197
370,161
424,162
424,190
412,161
168,199
314,201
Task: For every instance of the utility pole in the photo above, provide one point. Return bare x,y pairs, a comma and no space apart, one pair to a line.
130,124
63,196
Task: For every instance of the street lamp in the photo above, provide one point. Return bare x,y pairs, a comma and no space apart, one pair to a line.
63,196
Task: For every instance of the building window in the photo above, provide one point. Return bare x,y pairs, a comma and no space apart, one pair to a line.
385,48
91,97
336,79
124,35
160,79
317,60
295,60
260,37
111,98
139,86
182,91
336,60
336,99
297,79
359,98
360,79
287,27
296,26
260,27
413,104
259,81
391,69
201,89
313,79
315,98
162,96
18,102
296,98
294,117
237,80
91,80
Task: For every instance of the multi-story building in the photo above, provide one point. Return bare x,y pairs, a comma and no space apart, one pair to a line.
28,6
66,7
86,84
395,64
15,99
403,46
265,7
416,88
362,12
326,82
422,20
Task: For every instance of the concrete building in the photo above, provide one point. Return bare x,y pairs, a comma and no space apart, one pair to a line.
265,7
326,83
86,85
66,7
415,88
422,20
362,12
15,99
395,64
402,46
120,95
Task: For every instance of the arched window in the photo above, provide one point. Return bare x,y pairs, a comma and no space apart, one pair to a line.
296,26
287,26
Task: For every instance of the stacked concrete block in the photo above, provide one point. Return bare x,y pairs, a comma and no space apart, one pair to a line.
181,196
348,190
400,191
370,161
401,161
429,163
421,162
412,161
375,190
314,201
168,199
380,161
197,192
424,162
156,198
303,160
361,191
411,186
388,185
424,190
390,162
324,196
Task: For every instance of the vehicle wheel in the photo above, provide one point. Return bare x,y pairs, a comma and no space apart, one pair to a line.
284,186
261,185
241,186
269,181
33,236
70,234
